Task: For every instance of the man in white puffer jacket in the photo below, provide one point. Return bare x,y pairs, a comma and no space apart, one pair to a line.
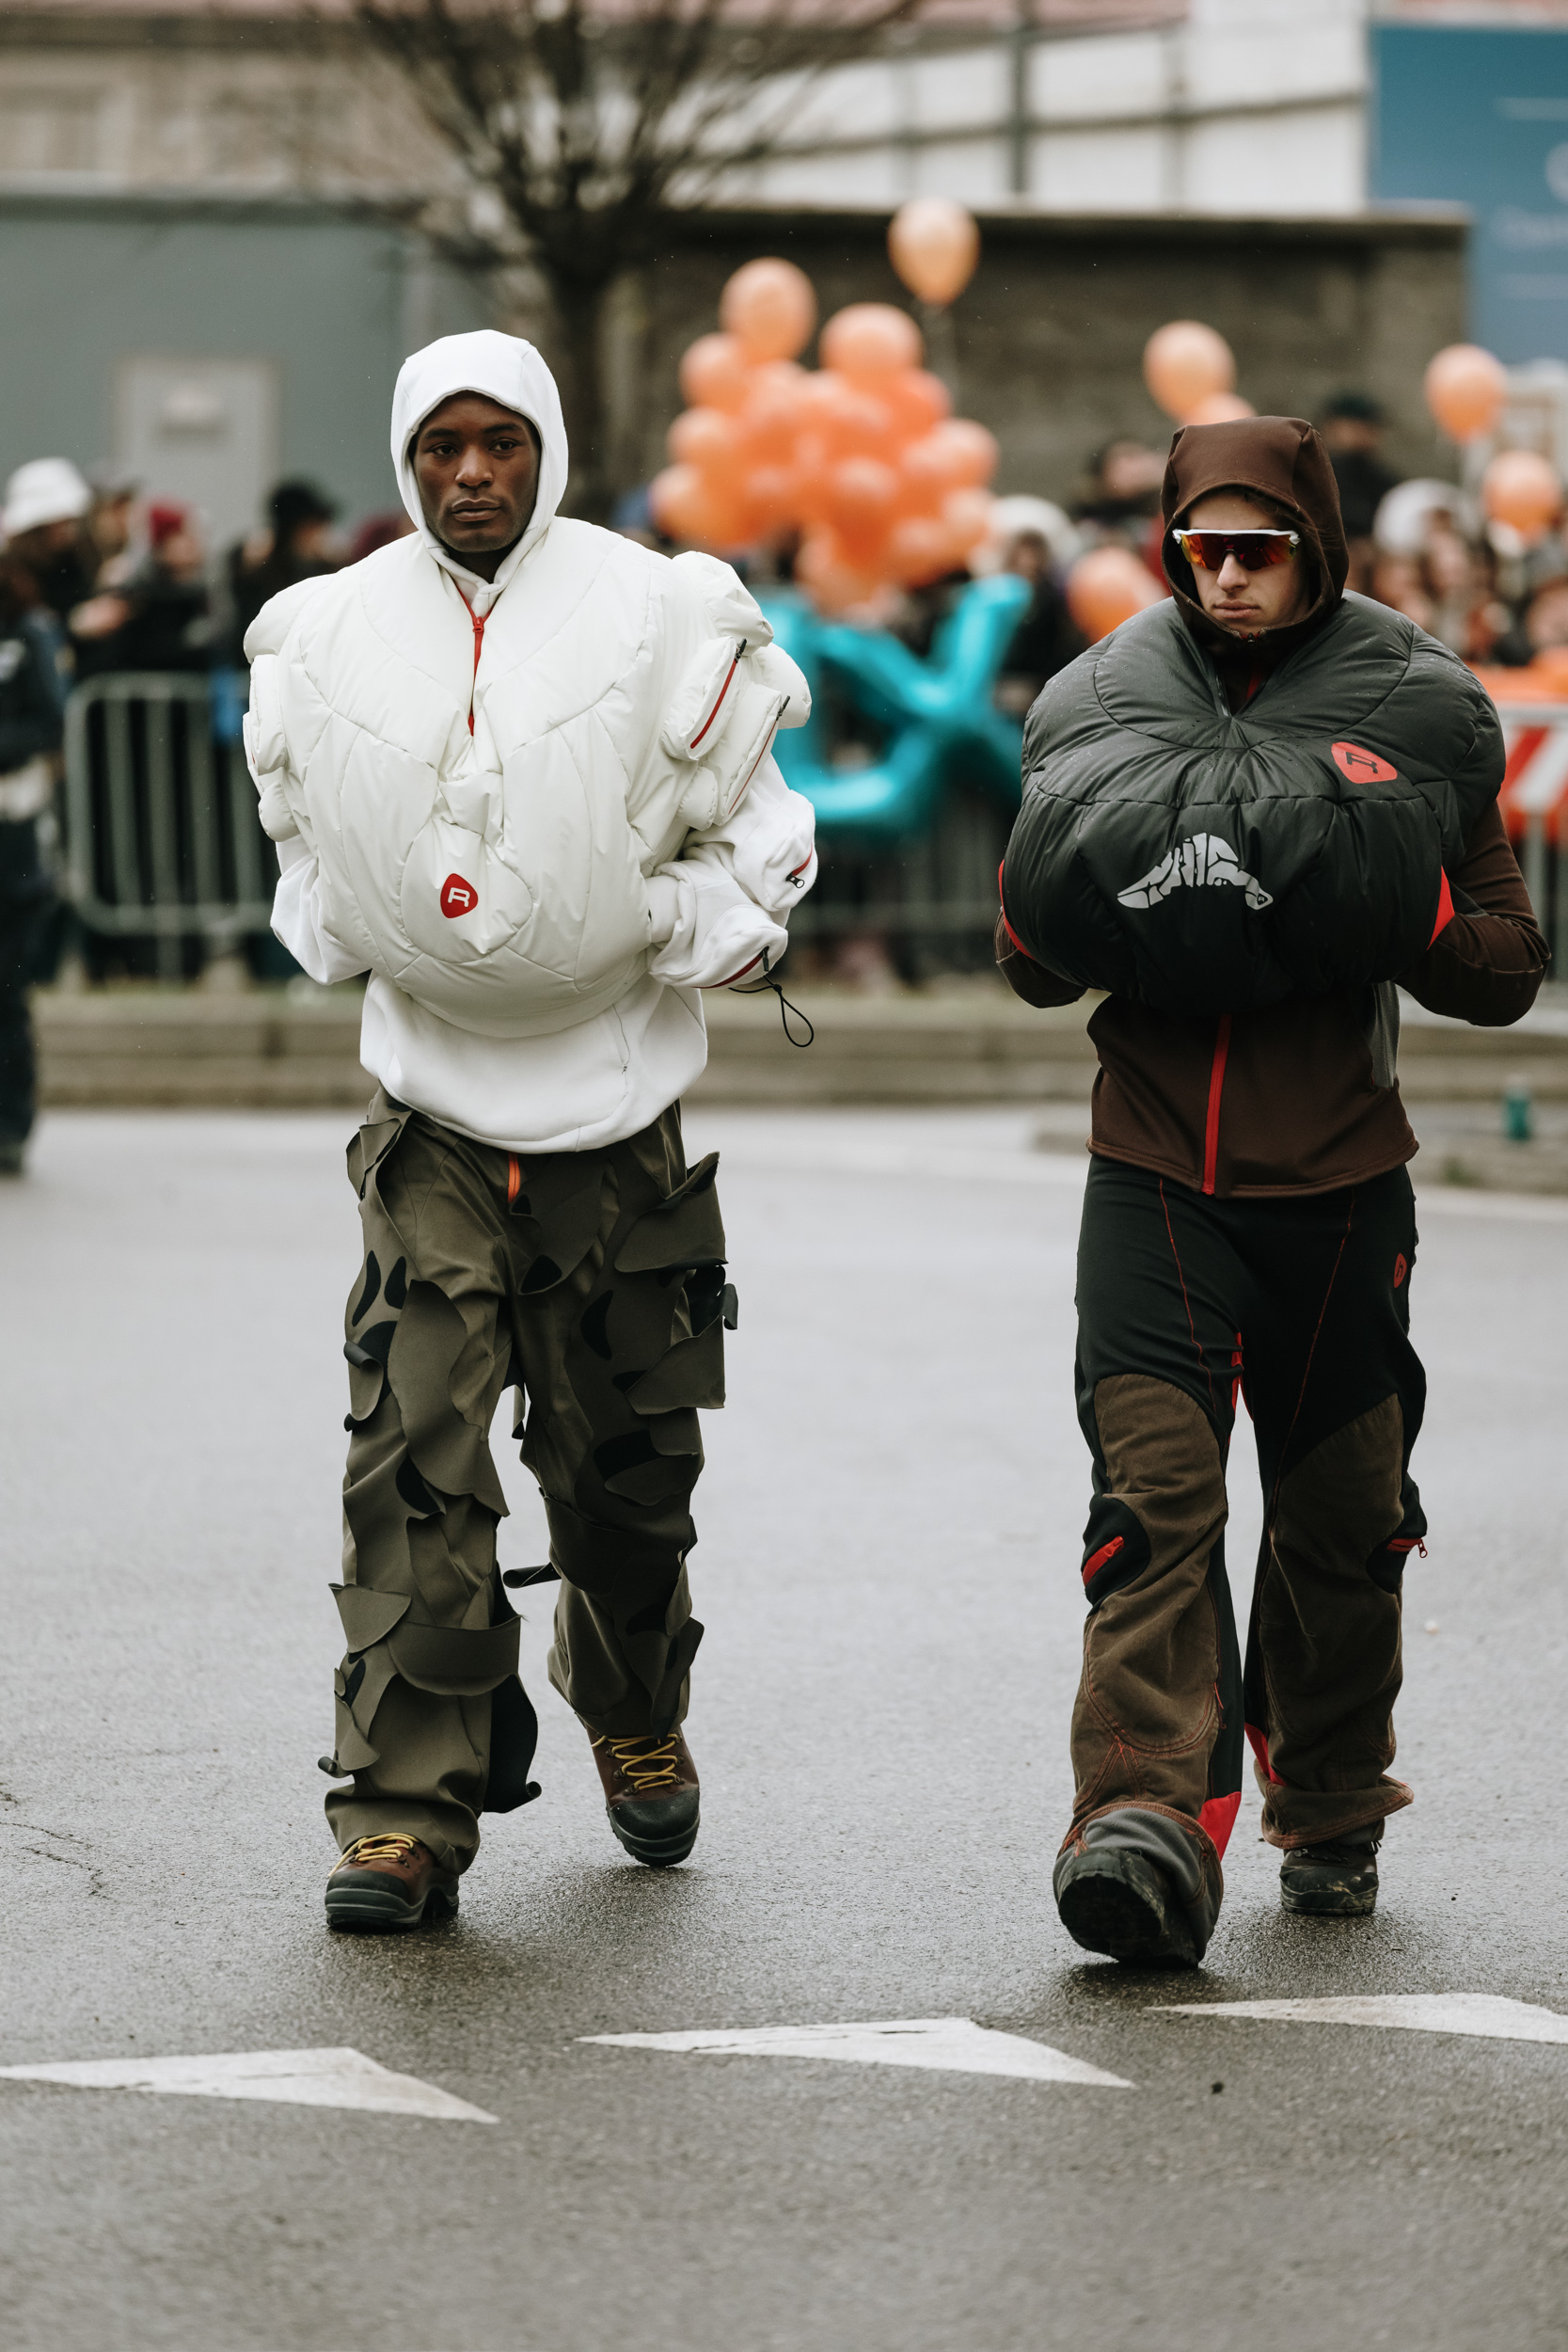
517,770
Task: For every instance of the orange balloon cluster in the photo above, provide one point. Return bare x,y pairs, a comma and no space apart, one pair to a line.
860,455
1465,388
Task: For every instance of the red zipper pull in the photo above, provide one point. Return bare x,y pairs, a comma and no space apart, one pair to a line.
478,620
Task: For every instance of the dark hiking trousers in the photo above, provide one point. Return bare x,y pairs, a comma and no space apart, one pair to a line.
592,1282
1302,1306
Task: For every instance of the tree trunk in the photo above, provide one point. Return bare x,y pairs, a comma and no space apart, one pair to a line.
580,309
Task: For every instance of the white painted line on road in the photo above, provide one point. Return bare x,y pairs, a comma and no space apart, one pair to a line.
305,2078
954,2045
1486,2014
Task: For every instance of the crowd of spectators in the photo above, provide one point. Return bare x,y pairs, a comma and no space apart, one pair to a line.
129,581
1420,545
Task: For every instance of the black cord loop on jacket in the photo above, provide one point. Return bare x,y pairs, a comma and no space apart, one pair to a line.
785,1009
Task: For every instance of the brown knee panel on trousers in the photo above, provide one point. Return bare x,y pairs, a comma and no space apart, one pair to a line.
1146,1713
1328,1636
592,1281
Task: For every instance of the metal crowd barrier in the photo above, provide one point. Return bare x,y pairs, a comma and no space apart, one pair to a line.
162,836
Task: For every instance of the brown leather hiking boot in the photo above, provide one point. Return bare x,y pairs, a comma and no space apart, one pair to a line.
651,1795
381,1884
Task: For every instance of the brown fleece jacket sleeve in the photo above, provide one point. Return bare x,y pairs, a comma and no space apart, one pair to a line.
1027,979
1486,965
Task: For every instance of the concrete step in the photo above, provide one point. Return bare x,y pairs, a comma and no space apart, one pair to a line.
279,1047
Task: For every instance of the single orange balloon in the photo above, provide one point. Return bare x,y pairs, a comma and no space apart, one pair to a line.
1522,488
917,401
970,452
862,499
934,245
770,420
850,418
706,439
966,518
715,372
1220,408
771,499
918,550
769,306
1106,587
688,505
1184,363
924,469
830,575
1465,388
870,341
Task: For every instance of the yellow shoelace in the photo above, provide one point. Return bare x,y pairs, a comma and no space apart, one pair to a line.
366,1852
658,1767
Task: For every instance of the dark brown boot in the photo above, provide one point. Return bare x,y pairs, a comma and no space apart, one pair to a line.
1336,1879
383,1883
651,1796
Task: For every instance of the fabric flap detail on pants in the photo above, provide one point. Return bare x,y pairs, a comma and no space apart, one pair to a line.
597,1558
369,1146
368,1616
685,1230
637,1465
514,1736
691,1373
445,1448
453,1661
359,1691
562,1220
677,1665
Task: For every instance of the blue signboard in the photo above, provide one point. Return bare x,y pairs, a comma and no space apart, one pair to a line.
1464,116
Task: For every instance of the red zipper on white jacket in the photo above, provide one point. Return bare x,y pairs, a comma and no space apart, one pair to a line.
478,620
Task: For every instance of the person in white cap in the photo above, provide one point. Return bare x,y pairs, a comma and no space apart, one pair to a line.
518,771
44,521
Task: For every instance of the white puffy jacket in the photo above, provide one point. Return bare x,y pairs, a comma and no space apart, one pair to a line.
528,808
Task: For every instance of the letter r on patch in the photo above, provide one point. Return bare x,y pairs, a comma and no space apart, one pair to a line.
458,896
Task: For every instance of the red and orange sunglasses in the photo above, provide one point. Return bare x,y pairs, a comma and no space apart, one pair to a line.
1253,549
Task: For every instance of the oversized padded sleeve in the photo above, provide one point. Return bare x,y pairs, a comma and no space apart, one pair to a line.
298,919
727,897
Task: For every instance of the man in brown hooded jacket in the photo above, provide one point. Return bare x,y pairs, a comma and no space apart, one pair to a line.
1248,1229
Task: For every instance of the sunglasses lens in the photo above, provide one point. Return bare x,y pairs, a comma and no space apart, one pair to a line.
1253,549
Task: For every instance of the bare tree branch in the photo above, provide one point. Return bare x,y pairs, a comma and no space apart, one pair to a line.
587,122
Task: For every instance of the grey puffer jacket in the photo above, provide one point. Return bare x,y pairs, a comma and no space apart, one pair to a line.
1203,859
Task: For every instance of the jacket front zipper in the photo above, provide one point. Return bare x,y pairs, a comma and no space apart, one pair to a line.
1216,1088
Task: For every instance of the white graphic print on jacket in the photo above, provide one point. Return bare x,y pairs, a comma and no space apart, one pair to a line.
541,812
1205,861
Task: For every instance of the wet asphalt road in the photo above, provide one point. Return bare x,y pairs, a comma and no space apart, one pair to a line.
888,1574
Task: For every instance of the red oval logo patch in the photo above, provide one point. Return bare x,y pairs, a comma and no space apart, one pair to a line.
458,896
1362,766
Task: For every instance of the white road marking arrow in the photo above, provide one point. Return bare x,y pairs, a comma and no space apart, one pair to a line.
305,2078
953,2046
1486,2014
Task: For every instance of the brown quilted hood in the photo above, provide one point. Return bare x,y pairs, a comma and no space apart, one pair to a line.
1280,459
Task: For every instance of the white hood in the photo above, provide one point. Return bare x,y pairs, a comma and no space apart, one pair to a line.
504,368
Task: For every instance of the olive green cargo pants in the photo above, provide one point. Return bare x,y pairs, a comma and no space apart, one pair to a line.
592,1282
